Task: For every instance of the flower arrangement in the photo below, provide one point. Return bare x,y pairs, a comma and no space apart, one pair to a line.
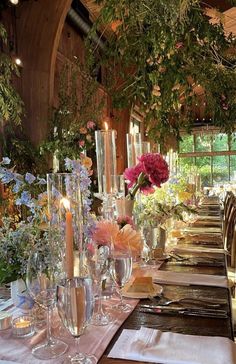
110,233
29,216
151,170
163,204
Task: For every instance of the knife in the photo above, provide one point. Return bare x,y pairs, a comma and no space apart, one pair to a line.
183,311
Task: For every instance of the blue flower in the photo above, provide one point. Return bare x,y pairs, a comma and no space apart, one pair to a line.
7,177
17,186
30,178
25,199
6,160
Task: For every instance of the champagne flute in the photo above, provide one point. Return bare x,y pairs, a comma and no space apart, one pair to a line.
99,265
41,280
121,269
75,304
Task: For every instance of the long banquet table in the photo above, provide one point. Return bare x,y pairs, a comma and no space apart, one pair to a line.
192,325
184,324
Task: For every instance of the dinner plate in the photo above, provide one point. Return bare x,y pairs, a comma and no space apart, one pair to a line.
157,291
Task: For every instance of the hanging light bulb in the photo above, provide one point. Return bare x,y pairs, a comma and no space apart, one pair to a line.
14,2
18,62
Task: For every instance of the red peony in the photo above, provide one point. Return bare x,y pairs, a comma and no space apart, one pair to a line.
152,170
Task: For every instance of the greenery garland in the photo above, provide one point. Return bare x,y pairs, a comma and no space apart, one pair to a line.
161,54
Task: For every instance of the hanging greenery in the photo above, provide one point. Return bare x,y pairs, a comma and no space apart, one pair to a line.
167,57
14,143
76,116
11,105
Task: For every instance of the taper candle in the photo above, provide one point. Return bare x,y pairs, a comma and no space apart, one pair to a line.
107,182
69,240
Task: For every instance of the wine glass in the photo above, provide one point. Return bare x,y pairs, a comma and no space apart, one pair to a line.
75,304
121,269
43,272
99,265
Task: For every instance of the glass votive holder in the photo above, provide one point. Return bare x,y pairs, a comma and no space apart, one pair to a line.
23,326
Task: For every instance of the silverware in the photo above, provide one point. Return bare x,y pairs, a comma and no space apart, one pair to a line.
190,300
203,312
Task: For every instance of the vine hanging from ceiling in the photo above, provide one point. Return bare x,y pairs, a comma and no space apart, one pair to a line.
168,57
76,116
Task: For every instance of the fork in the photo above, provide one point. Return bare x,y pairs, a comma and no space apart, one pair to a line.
195,301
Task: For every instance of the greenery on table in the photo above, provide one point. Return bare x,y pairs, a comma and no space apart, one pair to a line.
159,54
170,201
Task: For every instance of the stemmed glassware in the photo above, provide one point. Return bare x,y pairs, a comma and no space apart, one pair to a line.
43,273
99,265
75,304
121,269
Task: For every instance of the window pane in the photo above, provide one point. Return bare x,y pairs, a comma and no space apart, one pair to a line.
233,167
185,164
233,141
220,168
186,146
220,142
203,143
204,169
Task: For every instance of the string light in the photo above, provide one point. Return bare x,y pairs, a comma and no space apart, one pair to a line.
18,62
14,2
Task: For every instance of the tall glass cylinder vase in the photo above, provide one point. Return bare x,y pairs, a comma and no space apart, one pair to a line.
146,147
66,218
106,159
134,148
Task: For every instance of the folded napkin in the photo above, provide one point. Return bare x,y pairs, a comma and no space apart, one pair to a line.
154,346
203,230
184,279
198,249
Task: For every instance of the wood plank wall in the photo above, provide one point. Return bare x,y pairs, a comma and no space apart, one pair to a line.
45,41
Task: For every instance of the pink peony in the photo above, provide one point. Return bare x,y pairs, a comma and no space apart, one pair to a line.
155,167
152,170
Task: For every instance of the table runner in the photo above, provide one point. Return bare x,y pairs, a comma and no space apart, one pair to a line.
94,341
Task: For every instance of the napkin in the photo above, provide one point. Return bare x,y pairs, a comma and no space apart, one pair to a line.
169,277
197,250
154,346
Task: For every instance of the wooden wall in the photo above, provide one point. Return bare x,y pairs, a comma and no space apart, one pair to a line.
45,41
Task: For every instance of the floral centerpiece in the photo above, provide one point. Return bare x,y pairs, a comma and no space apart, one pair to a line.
169,202
26,218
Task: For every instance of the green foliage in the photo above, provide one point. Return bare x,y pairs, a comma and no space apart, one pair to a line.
77,115
160,52
23,154
16,243
11,105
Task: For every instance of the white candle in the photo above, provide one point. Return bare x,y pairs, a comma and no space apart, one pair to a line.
107,159
69,240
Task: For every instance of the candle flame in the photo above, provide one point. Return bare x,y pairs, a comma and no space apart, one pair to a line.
66,203
106,125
